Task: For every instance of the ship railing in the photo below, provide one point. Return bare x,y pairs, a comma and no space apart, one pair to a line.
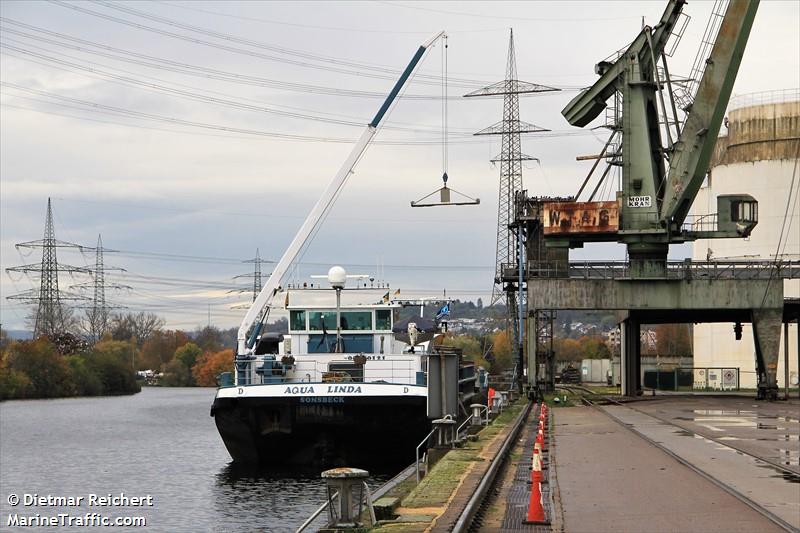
394,371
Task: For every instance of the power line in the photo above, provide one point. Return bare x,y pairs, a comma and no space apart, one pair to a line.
96,107
418,6
242,51
170,65
328,28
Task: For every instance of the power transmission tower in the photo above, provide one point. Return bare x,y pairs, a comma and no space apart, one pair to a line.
50,314
510,158
256,275
97,314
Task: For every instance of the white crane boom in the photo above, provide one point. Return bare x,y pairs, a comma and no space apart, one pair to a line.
257,314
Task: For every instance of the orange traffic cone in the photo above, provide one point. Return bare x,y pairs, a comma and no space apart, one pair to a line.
536,472
535,508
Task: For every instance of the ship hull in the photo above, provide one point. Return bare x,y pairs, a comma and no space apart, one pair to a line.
322,431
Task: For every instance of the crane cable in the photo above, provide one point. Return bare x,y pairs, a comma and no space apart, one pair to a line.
444,110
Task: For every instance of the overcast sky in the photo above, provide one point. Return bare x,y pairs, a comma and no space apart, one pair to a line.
163,125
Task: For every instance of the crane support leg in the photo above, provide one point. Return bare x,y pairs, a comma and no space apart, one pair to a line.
767,338
630,357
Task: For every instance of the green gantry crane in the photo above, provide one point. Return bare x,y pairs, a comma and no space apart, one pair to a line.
659,182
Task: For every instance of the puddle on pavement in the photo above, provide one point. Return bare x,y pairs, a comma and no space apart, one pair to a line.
791,477
714,419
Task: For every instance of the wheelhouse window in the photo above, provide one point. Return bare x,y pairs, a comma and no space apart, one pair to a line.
383,319
316,319
357,320
351,320
297,320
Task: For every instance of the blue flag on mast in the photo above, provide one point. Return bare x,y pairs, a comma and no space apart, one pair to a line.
443,312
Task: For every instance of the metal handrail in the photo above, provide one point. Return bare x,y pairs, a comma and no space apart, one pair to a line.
484,408
416,463
712,269
316,513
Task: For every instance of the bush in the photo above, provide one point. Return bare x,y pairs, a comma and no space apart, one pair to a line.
111,362
13,383
176,374
210,365
87,382
35,369
49,374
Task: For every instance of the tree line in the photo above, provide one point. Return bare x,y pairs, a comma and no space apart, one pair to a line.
67,364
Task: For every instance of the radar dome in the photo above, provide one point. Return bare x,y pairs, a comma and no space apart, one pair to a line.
337,276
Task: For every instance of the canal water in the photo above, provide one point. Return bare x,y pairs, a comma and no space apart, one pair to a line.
160,443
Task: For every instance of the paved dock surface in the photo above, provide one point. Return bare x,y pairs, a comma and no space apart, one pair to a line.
768,430
611,480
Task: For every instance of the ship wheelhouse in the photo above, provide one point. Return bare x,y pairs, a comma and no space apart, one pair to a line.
369,350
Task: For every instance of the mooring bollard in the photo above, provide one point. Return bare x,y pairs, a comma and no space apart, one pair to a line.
497,404
477,418
504,396
351,485
445,427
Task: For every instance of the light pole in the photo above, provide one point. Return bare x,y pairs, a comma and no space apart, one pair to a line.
337,276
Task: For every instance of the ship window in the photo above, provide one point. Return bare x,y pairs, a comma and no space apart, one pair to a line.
351,320
356,320
383,319
317,318
297,320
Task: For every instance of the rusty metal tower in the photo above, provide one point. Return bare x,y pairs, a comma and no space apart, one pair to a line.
510,159
50,314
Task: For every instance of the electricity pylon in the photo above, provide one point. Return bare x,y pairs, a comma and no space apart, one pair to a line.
98,312
510,158
50,314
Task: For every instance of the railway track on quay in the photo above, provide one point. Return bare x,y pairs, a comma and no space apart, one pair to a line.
598,401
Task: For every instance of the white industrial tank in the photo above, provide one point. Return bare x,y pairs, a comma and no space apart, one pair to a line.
757,155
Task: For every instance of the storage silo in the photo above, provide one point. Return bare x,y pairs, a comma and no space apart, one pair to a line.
758,156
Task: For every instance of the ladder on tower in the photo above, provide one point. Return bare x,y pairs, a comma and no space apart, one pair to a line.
685,94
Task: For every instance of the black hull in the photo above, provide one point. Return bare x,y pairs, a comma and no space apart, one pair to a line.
373,432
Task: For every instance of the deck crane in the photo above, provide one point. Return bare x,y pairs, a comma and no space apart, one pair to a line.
651,208
256,317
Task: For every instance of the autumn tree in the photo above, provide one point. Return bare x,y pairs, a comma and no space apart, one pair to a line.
674,339
209,339
211,364
502,351
48,373
178,372
139,326
160,348
114,362
594,348
567,350
470,347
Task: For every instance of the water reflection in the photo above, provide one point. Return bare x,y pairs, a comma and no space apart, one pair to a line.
253,500
285,498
